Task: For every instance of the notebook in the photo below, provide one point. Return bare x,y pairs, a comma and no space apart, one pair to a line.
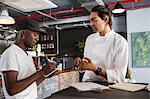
88,86
148,87
128,86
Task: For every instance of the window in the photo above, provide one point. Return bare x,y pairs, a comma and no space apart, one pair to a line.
140,43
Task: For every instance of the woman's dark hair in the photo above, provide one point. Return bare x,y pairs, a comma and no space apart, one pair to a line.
102,12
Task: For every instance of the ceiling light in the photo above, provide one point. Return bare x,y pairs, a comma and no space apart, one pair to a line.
5,18
118,8
30,5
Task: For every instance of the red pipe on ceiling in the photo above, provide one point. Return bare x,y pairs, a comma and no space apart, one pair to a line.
82,9
68,11
78,15
124,2
52,13
70,16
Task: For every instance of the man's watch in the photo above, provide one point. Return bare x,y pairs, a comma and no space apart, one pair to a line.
98,71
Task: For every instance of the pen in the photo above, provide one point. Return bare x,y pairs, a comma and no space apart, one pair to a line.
56,69
97,90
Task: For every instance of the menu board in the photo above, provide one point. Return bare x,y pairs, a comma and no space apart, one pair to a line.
48,42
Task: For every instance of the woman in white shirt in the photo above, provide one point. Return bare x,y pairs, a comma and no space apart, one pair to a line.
105,52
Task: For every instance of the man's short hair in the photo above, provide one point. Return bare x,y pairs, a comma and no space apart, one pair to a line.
102,12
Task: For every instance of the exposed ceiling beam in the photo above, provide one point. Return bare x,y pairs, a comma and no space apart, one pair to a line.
81,18
68,20
64,17
67,11
88,5
46,15
52,13
136,7
124,2
81,9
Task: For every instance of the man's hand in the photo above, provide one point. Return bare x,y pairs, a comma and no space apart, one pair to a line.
87,64
48,68
77,61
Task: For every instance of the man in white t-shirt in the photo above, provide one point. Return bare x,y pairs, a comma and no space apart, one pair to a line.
19,76
105,52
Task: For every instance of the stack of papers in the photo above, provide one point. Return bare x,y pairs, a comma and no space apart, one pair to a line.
128,86
148,87
88,86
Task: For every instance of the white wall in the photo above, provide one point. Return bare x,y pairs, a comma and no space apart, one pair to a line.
138,21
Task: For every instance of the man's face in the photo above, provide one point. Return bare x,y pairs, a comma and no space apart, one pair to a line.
96,22
31,38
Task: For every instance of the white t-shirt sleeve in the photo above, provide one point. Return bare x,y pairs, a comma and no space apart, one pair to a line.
117,74
9,61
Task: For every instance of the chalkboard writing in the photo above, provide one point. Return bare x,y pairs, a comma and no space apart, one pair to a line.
48,42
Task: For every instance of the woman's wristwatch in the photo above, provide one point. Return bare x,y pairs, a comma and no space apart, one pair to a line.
98,71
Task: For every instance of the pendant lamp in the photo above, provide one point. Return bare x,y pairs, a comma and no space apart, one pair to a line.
118,8
5,19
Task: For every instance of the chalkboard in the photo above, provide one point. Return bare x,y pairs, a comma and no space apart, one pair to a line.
69,37
48,42
66,41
